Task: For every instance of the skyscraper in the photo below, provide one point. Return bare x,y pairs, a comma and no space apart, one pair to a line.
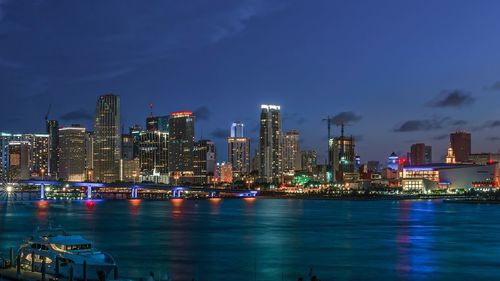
107,139
270,144
428,154
181,145
461,145
204,162
157,123
237,130
53,131
291,152
417,154
153,153
238,151
72,153
19,160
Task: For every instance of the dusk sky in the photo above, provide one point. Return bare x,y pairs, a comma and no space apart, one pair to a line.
398,72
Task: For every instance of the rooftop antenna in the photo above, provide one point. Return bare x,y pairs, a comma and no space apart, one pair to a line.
47,116
151,105
329,125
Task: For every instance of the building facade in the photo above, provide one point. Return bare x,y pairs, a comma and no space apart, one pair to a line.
72,153
270,151
107,139
291,152
238,151
204,162
181,145
461,145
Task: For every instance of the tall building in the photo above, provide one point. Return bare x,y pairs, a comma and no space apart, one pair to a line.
461,145
127,147
450,156
19,160
107,139
417,154
157,123
204,162
237,130
291,152
53,132
373,166
153,153
238,151
224,173
89,156
308,160
270,144
72,153
347,157
428,154
181,145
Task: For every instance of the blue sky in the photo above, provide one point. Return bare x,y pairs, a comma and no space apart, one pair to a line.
398,72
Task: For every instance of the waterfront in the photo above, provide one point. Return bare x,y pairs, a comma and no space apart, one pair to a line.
277,239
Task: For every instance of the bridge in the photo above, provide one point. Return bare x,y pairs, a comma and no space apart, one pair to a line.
40,189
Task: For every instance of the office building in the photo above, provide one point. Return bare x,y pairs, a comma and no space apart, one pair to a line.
19,160
238,151
153,153
53,158
107,139
157,123
417,154
461,145
72,153
291,152
224,173
204,162
270,144
308,160
181,145
237,130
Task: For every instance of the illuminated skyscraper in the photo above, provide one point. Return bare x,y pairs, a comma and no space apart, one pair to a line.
53,131
157,123
181,145
153,153
237,130
461,145
204,162
270,144
19,160
291,152
107,139
393,161
238,151
72,153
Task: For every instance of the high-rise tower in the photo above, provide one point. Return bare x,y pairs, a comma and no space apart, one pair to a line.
107,139
270,151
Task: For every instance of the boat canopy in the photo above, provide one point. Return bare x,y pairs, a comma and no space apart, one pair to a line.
69,240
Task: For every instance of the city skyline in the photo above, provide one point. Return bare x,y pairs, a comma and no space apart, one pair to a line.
417,81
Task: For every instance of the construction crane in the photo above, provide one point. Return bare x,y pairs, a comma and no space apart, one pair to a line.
47,117
329,124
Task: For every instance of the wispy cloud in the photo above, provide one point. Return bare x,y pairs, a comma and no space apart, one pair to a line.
491,124
454,98
105,75
76,115
202,113
346,117
420,125
493,87
219,133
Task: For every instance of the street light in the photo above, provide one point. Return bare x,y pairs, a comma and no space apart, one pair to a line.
9,189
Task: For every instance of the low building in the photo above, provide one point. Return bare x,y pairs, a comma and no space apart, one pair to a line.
449,176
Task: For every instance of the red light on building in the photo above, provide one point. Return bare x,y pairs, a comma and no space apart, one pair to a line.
402,160
181,113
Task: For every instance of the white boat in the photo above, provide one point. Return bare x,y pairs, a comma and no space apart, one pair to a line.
62,253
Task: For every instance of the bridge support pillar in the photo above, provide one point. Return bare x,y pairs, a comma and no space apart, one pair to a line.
89,192
42,191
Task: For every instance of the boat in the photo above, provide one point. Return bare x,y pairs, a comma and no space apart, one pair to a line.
56,252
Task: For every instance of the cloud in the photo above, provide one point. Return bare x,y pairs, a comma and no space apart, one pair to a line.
346,117
420,125
79,114
493,87
488,125
492,138
440,137
454,98
202,113
219,133
104,75
295,118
